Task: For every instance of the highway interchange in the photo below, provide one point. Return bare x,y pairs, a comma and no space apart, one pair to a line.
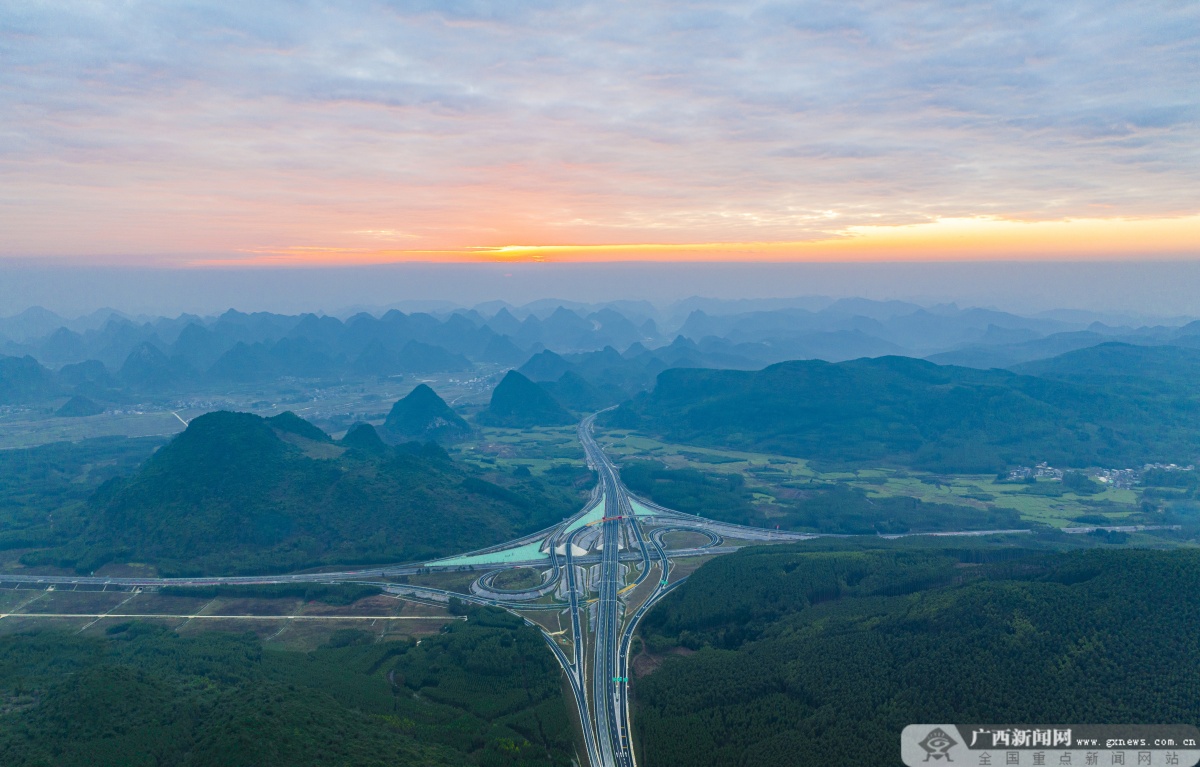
594,568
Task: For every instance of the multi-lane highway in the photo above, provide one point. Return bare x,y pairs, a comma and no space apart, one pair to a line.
614,629
606,682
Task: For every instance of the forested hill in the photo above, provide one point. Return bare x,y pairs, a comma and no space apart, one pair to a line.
518,402
422,414
483,692
237,493
910,412
1148,370
803,654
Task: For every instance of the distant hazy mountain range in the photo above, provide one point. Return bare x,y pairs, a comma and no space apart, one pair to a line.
610,351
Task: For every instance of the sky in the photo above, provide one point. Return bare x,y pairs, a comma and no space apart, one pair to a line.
217,135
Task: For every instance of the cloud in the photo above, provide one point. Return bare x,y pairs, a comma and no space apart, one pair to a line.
184,129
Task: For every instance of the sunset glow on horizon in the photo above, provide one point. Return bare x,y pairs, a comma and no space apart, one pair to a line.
265,135
943,240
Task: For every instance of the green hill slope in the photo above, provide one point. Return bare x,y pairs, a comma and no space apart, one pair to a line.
423,415
237,493
805,654
519,402
911,412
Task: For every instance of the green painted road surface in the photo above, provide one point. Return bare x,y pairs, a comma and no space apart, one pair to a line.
527,553
594,514
640,510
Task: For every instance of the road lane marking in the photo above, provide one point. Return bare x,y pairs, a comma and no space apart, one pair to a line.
123,601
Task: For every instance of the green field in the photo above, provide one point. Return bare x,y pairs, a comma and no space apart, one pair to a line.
774,479
539,449
520,578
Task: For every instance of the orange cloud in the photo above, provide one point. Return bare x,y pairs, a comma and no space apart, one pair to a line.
945,239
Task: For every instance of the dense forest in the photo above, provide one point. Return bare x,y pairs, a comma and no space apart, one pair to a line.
908,412
838,509
238,493
800,654
484,692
